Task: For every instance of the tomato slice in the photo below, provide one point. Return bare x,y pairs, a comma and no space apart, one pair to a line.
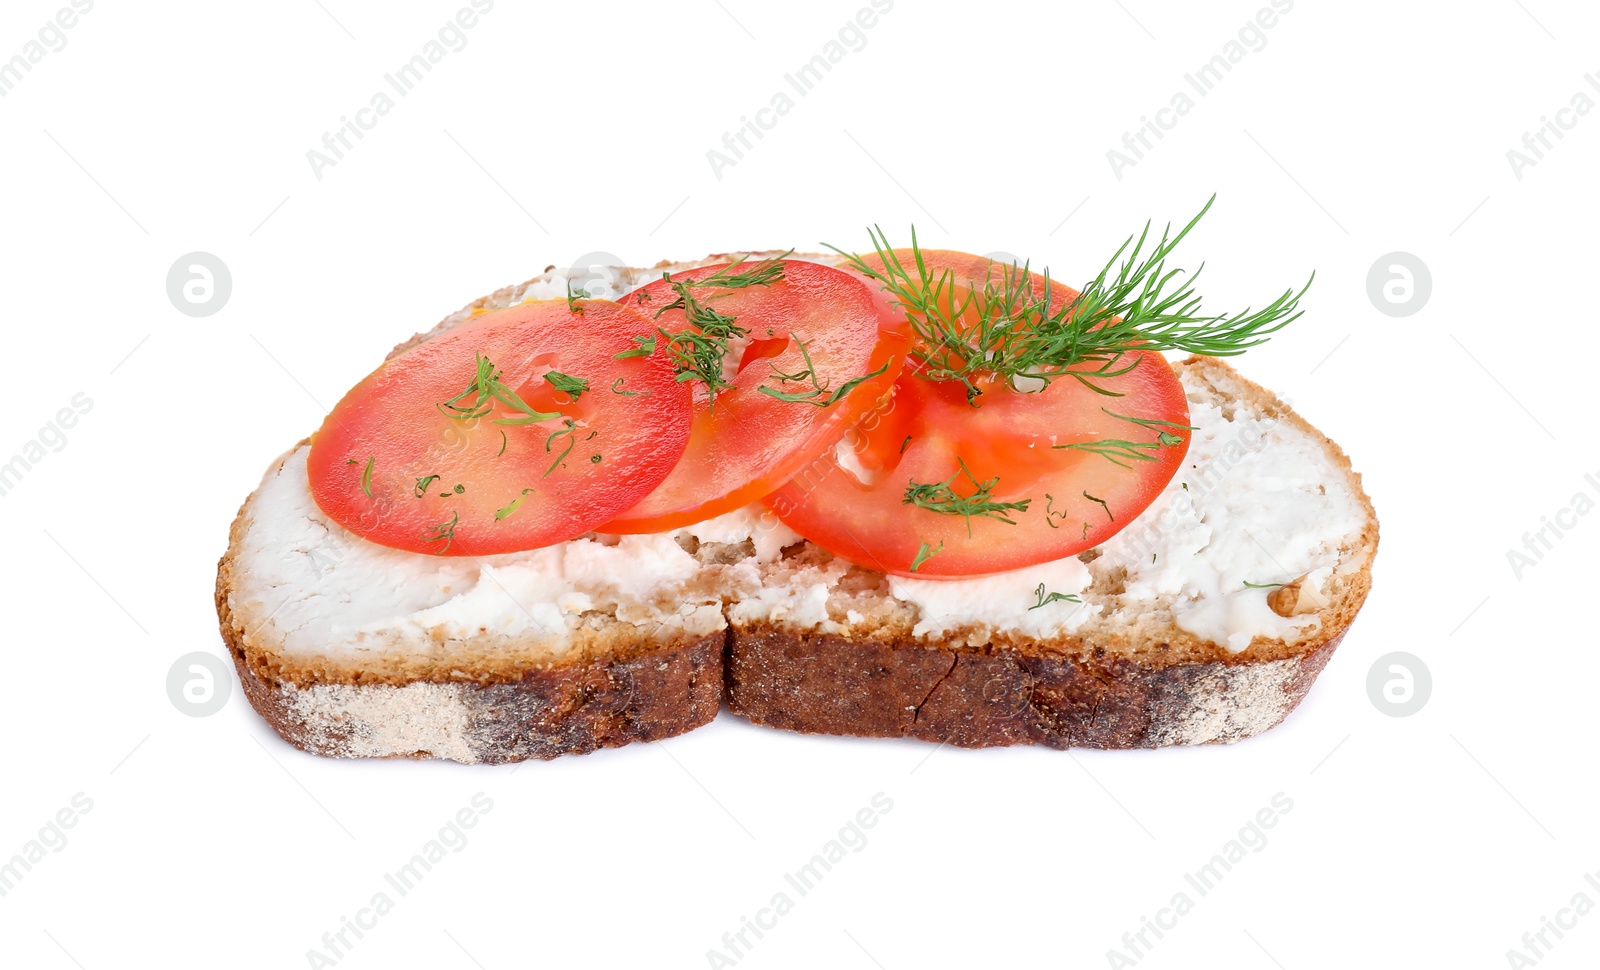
823,328
934,486
431,452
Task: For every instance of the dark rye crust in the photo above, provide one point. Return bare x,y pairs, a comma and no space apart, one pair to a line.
546,714
825,684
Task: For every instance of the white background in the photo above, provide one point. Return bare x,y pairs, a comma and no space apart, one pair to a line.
1360,128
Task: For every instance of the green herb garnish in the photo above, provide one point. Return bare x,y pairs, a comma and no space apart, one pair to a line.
573,296
1046,599
924,553
818,389
698,352
567,432
566,384
1120,451
366,476
1116,450
486,388
445,531
1049,513
647,346
1102,504
1005,329
942,498
502,513
762,273
1149,422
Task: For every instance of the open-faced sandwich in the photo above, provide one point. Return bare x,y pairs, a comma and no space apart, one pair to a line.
904,493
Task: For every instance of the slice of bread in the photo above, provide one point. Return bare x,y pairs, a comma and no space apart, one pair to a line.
349,649
1183,635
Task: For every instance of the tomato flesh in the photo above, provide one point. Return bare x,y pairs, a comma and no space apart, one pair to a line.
853,503
448,484
744,443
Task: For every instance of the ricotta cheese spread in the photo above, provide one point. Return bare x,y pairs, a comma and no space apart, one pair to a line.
325,590
1255,504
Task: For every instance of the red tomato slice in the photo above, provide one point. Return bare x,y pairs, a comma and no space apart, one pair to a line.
1002,454
817,321
408,460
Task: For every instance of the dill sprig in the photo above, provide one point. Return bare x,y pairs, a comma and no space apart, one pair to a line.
1045,599
573,296
924,553
1050,514
445,531
818,389
1149,422
567,431
699,351
1002,328
516,503
485,389
1100,502
1120,451
646,347
698,355
761,273
366,475
566,384
941,497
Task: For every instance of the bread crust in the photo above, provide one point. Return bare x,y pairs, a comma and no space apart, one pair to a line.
827,684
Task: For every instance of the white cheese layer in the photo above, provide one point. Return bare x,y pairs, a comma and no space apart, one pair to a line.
324,590
1010,602
1257,503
